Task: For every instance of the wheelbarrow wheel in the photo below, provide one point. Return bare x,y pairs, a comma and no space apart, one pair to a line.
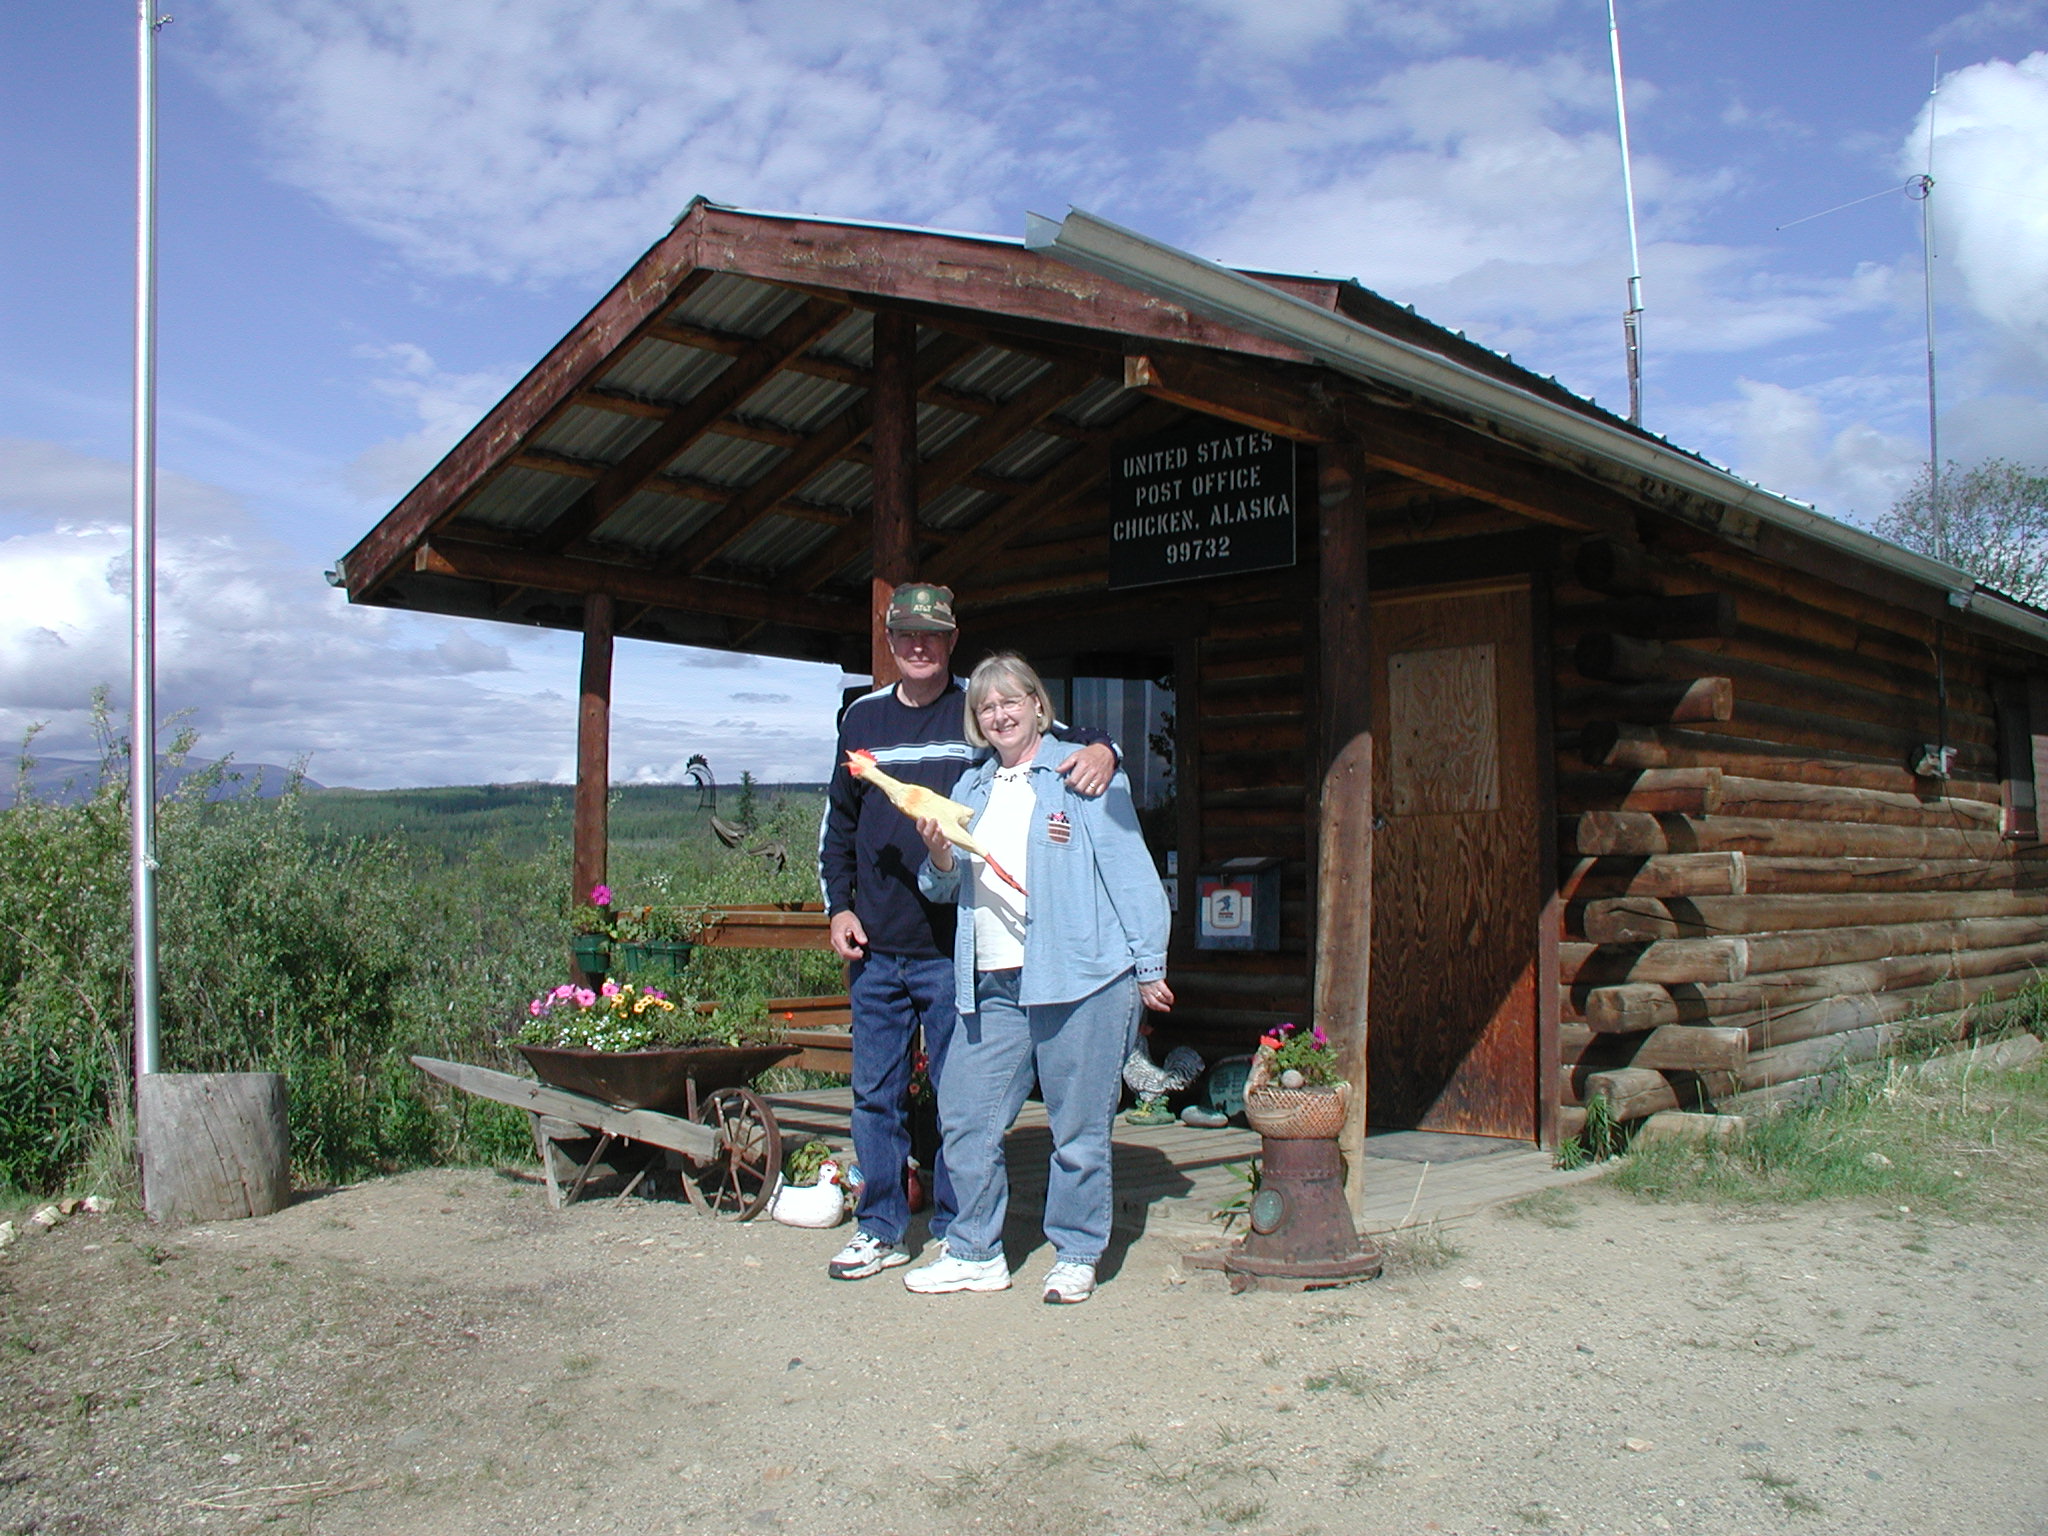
737,1181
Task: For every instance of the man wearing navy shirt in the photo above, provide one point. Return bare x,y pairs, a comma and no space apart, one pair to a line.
898,945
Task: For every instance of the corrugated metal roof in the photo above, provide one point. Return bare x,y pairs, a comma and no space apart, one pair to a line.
778,542
938,428
653,522
516,498
802,402
842,483
665,371
956,506
726,460
996,374
582,432
1100,401
852,340
738,305
1028,455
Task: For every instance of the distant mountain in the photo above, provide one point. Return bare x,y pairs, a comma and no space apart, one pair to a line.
68,780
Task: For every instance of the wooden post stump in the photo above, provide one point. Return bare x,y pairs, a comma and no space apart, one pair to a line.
214,1146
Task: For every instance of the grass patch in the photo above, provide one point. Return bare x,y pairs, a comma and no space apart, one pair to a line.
1967,1147
1547,1207
1418,1249
1352,1380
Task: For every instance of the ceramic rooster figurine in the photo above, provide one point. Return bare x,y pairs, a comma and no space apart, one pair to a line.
918,803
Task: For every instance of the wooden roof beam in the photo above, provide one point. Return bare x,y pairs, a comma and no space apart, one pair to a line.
662,278
1071,477
810,456
1452,458
914,266
635,584
690,421
1246,399
1021,413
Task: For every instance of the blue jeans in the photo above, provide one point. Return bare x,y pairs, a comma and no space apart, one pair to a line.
893,996
1077,1051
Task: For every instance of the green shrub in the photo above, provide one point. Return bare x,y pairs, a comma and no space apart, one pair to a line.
330,958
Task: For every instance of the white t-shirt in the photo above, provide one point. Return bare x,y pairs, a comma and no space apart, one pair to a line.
1004,829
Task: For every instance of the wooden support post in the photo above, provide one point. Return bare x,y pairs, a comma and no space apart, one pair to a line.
593,750
1343,951
894,438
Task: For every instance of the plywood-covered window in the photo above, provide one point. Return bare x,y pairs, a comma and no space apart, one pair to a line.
2022,705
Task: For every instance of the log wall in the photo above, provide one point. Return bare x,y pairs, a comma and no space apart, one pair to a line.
1756,885
1245,754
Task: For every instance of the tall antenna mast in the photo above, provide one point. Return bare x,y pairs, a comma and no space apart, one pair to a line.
1921,187
1632,318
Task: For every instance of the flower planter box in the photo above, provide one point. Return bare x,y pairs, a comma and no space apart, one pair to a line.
653,956
592,953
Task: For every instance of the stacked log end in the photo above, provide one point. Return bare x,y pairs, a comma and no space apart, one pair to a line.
1758,888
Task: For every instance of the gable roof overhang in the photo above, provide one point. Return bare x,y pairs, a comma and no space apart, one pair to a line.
1638,464
697,446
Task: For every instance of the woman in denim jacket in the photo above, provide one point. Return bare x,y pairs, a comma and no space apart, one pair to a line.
1048,987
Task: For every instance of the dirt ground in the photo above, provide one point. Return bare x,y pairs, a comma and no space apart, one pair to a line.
441,1354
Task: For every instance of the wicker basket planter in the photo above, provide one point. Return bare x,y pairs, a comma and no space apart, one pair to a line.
1293,1114
1298,1114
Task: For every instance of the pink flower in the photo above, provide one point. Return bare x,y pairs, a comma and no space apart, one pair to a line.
654,996
609,989
563,993
536,1008
600,895
1320,1037
586,998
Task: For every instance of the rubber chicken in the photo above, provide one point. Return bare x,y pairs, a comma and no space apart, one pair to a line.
917,802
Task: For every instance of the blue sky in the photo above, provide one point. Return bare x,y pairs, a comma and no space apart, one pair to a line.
376,214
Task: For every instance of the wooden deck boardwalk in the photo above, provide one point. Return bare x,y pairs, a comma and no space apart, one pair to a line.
1170,1178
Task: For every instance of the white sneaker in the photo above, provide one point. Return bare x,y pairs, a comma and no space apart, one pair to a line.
947,1273
1067,1283
865,1255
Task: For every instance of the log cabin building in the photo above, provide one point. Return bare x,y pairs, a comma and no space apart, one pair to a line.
1568,763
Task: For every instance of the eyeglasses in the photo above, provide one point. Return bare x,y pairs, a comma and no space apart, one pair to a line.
995,705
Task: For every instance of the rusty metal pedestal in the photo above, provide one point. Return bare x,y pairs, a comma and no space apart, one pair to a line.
1302,1237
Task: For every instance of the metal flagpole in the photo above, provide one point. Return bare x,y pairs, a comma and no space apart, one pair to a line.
142,718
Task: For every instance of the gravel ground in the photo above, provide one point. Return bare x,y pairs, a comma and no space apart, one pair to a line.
439,1353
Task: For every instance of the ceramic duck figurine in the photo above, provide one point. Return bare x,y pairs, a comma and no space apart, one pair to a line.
822,1204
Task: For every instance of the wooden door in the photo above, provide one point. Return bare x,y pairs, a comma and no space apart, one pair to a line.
1452,1024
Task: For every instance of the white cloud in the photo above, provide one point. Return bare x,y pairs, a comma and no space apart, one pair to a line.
1792,441
537,138
1433,172
446,405
1991,190
1994,18
1291,27
271,665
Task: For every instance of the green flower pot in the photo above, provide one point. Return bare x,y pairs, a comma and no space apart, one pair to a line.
654,957
592,953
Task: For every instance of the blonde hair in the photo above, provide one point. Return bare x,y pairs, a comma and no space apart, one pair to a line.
1004,665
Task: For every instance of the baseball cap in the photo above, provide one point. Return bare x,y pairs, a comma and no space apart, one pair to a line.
919,605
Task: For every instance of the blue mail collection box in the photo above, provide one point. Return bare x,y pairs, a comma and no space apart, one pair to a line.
1240,905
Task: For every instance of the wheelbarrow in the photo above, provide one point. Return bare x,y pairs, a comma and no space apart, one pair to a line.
688,1102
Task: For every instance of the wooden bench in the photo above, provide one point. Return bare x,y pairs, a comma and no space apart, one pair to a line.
820,1027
